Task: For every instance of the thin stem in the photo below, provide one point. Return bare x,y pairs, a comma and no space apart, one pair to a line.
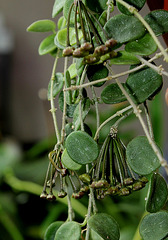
109,8
97,109
81,21
88,216
53,109
135,12
148,120
117,114
122,118
76,26
70,209
68,23
46,178
95,210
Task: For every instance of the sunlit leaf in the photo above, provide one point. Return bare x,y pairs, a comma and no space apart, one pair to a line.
61,23
68,231
51,230
141,157
57,8
72,70
68,162
47,45
42,26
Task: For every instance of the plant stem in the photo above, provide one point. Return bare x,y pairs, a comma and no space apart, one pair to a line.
135,12
109,9
117,114
88,216
96,108
148,120
122,118
53,109
70,209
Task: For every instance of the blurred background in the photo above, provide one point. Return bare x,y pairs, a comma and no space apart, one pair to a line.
26,130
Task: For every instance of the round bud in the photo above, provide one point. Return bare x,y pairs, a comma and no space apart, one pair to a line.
51,197
62,194
64,172
124,192
85,178
101,50
43,195
137,186
87,46
91,59
128,181
68,51
111,43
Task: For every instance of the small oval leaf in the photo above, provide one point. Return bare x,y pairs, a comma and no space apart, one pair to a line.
124,58
42,26
58,85
96,72
52,229
138,4
72,70
141,157
143,84
143,46
154,226
105,226
68,231
81,147
112,94
57,8
158,21
124,28
47,45
68,162
61,23
157,193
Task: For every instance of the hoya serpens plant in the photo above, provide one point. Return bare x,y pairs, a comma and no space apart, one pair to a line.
91,39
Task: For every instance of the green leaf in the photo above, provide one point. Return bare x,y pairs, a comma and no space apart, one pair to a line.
154,226
143,46
96,72
141,157
124,28
47,45
105,226
57,8
51,230
95,236
85,109
70,108
66,9
61,23
68,231
157,193
72,70
158,21
81,147
138,4
68,162
61,37
124,58
79,66
58,85
42,26
143,84
97,6
112,94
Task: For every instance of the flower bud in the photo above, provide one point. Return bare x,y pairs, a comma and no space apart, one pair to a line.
68,51
111,43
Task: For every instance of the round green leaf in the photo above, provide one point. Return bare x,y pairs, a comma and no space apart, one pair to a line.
68,231
141,157
57,86
95,236
42,26
81,147
158,21
96,72
57,8
143,46
124,58
143,84
68,162
138,4
47,45
112,94
61,37
124,28
157,193
97,6
154,226
105,226
51,230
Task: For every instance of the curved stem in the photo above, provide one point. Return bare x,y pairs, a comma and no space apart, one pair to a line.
96,108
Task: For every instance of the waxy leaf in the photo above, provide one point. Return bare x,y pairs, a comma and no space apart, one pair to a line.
141,157
57,85
47,45
61,37
154,226
81,147
105,226
124,58
157,193
143,46
97,6
79,66
42,26
72,70
68,162
158,21
69,109
96,72
67,6
85,109
124,28
143,84
112,94
51,230
61,23
57,8
95,236
68,231
138,4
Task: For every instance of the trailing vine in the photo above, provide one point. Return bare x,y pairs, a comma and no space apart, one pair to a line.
91,39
